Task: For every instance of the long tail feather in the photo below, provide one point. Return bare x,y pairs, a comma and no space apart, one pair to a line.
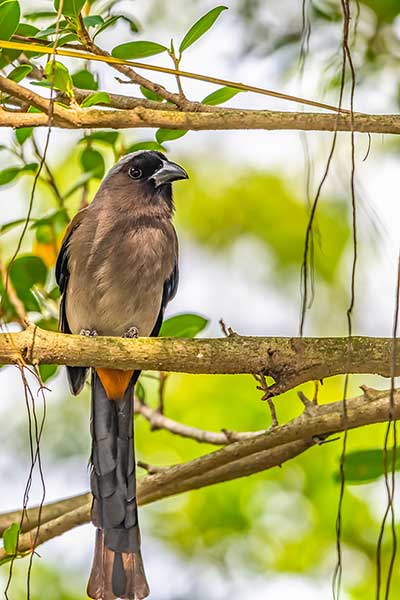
117,570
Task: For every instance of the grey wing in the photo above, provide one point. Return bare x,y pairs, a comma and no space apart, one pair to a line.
62,277
76,375
169,291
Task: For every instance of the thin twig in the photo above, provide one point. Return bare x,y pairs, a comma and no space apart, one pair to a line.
158,420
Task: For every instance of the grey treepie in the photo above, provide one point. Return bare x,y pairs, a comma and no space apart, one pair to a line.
117,270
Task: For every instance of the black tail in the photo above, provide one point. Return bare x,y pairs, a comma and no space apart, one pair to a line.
117,570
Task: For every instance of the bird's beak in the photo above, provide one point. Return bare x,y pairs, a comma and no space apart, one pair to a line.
168,172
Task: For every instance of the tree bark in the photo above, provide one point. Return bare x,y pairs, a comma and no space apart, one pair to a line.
221,119
290,361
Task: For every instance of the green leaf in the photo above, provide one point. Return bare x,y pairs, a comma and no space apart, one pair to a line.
151,95
114,19
9,18
186,326
84,80
49,324
43,83
26,30
93,20
66,39
44,234
107,23
165,135
92,162
8,175
58,220
133,25
47,372
83,180
7,57
140,391
137,50
54,294
51,29
201,27
35,16
220,96
23,133
145,146
107,137
10,538
11,225
363,466
70,8
19,73
25,272
59,76
96,98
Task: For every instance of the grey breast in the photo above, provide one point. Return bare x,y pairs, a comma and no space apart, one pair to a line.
118,266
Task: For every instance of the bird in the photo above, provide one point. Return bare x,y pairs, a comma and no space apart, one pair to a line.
117,269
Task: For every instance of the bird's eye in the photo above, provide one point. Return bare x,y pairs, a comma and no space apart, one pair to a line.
135,173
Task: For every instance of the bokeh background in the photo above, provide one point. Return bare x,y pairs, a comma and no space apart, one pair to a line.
241,221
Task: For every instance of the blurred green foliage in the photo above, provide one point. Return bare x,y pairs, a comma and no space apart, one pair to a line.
263,207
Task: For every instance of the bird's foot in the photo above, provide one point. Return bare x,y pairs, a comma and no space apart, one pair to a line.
132,332
88,332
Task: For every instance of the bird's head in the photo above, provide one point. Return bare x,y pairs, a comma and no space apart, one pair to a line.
147,174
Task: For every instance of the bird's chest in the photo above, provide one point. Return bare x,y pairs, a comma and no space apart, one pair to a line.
117,283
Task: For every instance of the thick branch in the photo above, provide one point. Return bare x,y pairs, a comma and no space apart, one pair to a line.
149,492
236,460
221,119
290,361
31,98
49,512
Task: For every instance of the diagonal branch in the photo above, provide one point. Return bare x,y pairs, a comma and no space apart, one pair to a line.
96,53
134,77
233,461
149,490
49,512
31,98
219,438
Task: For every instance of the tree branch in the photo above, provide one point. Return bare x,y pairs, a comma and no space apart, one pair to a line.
134,77
149,490
49,512
233,461
119,101
15,90
290,361
219,438
220,119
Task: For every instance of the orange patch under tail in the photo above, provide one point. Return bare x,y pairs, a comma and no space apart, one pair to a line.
114,381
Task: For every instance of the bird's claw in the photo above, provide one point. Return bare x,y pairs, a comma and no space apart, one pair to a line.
88,332
132,332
